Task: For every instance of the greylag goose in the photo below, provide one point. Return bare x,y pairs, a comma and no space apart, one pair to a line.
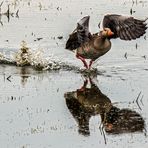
92,46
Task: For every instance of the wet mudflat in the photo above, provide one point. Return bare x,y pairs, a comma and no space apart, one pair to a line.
64,108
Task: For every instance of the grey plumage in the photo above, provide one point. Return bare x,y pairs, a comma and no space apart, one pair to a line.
124,27
80,35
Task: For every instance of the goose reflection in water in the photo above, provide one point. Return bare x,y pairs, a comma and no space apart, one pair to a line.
87,102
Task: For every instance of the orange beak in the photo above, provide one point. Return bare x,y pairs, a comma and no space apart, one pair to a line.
110,33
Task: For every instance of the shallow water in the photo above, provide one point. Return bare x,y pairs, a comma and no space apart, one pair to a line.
34,109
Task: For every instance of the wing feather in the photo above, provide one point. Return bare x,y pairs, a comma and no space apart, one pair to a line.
80,35
124,27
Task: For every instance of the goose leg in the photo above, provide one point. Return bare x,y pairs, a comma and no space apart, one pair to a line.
83,60
90,63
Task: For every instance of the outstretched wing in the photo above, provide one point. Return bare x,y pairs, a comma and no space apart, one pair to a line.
80,35
72,42
124,27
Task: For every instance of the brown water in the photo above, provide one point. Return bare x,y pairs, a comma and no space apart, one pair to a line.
46,109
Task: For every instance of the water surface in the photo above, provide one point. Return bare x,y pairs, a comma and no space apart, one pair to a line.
34,109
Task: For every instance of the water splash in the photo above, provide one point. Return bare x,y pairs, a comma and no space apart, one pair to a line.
28,57
23,56
6,60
